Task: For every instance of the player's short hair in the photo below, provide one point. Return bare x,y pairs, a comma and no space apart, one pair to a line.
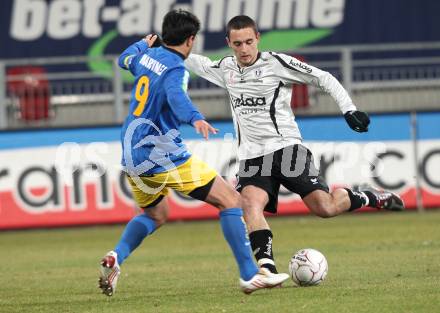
179,25
240,22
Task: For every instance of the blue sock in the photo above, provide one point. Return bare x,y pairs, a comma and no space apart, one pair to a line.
136,230
234,230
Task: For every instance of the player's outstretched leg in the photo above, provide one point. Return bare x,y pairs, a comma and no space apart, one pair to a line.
382,199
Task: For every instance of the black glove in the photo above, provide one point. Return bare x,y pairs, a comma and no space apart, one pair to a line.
357,120
157,42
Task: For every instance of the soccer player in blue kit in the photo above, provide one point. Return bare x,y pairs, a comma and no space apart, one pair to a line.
156,159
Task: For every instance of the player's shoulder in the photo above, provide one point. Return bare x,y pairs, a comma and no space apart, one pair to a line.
158,61
224,61
276,56
288,61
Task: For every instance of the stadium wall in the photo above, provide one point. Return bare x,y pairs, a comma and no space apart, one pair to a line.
62,177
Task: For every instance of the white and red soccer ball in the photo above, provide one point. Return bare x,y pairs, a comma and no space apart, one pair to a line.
308,267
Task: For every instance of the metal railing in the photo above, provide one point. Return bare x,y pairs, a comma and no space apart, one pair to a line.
386,77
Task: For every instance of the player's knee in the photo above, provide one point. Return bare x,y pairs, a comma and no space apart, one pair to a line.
251,204
158,214
232,200
160,219
248,202
225,198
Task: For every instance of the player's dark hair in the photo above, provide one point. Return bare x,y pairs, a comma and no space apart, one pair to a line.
240,22
179,25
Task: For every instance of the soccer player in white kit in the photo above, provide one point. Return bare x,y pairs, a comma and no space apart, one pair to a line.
270,149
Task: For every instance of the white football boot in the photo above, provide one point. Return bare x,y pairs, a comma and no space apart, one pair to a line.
110,271
263,279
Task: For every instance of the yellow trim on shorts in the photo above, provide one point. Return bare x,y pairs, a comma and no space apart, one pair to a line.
186,177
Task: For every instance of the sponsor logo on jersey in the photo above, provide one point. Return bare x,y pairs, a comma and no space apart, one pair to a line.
247,102
301,66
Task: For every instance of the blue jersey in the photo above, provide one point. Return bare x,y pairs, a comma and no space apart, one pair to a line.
159,104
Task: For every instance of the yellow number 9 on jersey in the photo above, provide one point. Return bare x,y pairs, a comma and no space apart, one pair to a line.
141,94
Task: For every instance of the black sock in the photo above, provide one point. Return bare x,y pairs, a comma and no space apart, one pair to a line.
357,199
261,243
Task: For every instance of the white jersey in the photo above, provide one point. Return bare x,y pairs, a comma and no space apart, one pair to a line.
260,97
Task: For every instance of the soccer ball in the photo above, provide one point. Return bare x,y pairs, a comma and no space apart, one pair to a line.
308,267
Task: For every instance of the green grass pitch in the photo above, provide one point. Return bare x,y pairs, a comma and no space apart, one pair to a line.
377,263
